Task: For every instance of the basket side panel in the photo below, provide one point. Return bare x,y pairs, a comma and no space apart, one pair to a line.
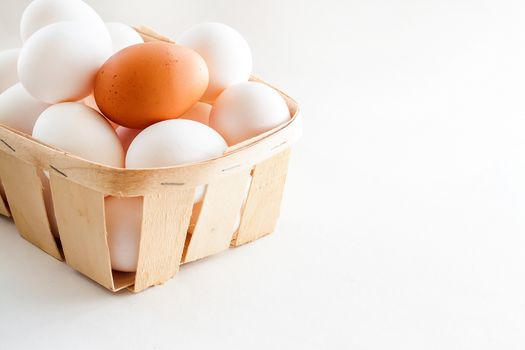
220,211
81,224
165,221
264,199
26,200
3,206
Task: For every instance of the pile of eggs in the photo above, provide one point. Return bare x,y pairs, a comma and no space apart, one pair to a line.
97,91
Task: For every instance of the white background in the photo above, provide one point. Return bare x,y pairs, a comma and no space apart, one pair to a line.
403,222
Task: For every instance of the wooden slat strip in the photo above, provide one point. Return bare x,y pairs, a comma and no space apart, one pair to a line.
149,34
81,224
24,194
220,210
264,199
4,210
165,221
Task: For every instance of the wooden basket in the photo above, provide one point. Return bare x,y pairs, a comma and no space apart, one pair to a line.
167,240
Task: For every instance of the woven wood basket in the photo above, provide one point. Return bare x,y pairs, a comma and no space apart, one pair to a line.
174,231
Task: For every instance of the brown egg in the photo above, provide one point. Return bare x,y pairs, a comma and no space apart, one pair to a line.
147,83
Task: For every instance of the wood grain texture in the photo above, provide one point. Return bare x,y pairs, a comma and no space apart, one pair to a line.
165,221
4,210
81,224
264,199
219,212
24,194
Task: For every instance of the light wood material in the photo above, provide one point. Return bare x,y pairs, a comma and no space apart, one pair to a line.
4,210
219,212
81,224
149,34
264,199
165,221
24,193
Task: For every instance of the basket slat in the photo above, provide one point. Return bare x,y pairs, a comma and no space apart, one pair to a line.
165,221
220,209
26,201
3,206
80,218
264,199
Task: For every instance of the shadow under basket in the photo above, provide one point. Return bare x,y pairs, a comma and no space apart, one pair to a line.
173,231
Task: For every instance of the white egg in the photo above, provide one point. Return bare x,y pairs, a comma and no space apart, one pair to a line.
122,36
40,13
19,110
126,136
225,51
123,225
174,142
59,62
246,110
80,130
200,112
8,73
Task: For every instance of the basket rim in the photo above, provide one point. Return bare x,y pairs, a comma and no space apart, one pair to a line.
130,182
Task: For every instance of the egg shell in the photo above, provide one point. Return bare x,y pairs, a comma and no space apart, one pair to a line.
40,13
246,110
19,110
175,142
147,83
122,36
60,61
8,72
123,225
200,112
226,53
126,136
82,131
